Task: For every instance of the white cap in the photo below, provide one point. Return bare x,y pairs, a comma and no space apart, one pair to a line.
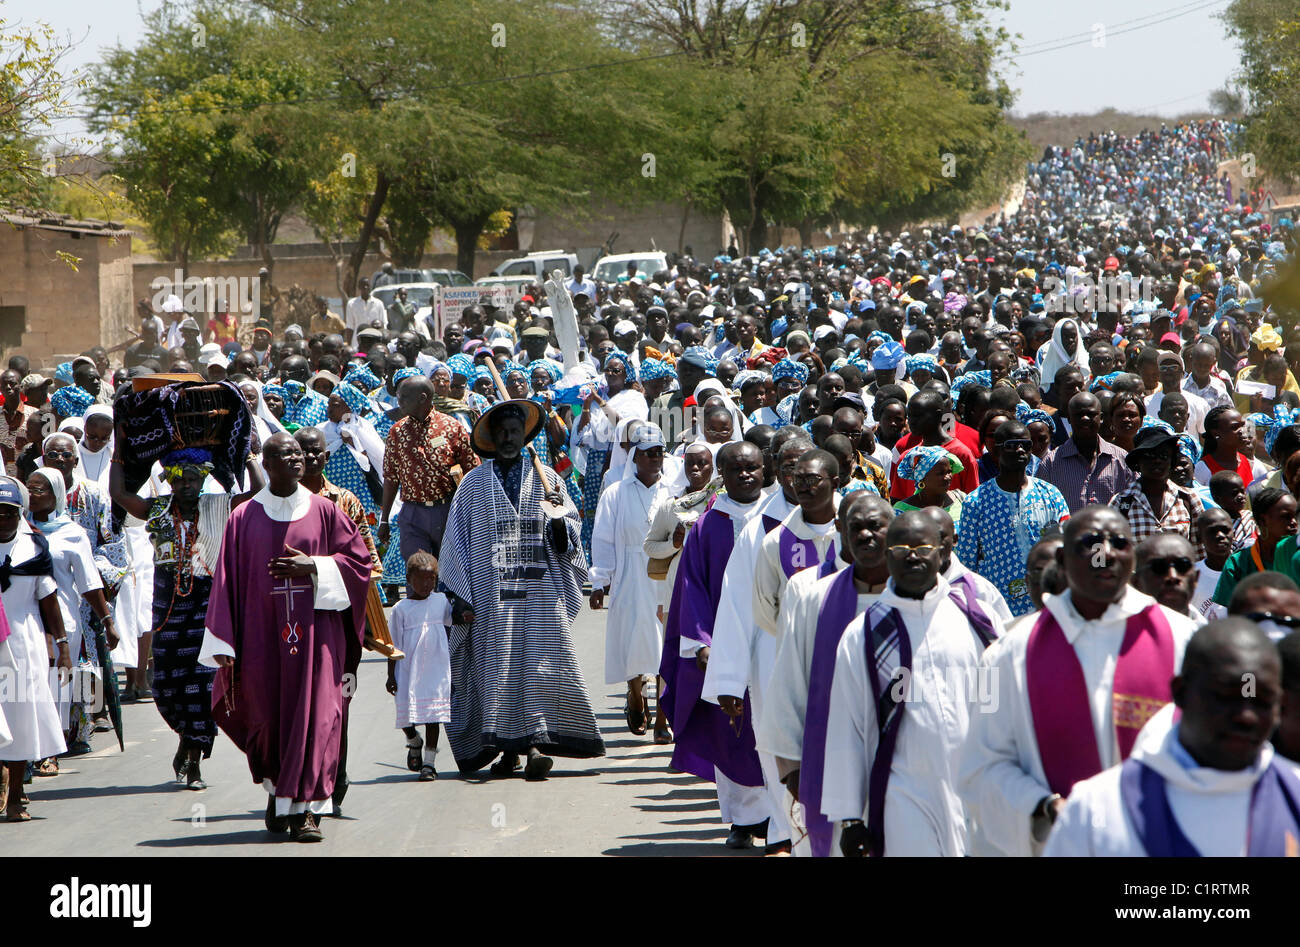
173,304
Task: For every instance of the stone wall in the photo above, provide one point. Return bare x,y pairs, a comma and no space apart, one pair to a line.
50,310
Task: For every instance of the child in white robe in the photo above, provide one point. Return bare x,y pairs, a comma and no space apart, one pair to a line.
421,681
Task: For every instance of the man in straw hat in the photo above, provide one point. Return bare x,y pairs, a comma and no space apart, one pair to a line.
516,685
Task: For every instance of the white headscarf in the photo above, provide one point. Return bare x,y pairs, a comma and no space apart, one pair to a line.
367,447
60,514
95,464
1057,356
707,389
79,471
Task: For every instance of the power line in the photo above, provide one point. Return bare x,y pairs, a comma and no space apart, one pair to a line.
1087,34
1109,33
306,100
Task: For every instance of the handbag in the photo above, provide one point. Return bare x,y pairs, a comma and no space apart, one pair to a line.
657,567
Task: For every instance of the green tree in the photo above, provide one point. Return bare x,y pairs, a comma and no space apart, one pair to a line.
1268,35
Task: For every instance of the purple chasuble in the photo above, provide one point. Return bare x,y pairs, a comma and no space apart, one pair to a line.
889,666
837,610
282,702
1273,829
704,735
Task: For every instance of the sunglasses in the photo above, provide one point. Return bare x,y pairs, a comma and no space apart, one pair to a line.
1092,541
1019,444
1161,566
1287,621
902,552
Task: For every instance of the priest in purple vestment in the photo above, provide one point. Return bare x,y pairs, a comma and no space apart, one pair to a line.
709,744
285,620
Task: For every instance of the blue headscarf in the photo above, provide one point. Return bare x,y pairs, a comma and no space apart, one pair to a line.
354,398
982,378
461,364
788,368
71,401
1273,424
887,355
1104,382
63,373
1027,415
1191,450
653,368
920,460
925,363
552,369
620,355
362,373
402,374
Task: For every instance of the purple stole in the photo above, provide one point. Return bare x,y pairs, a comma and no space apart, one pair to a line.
963,595
837,610
889,662
705,737
797,554
1060,705
1273,830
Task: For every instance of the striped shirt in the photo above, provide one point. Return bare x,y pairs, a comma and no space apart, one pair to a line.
1084,481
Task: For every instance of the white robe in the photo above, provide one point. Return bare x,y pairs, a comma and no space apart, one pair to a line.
634,638
26,700
1211,806
1002,778
664,520
923,812
75,574
785,698
419,628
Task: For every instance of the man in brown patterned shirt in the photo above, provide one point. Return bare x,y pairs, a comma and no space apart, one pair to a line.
426,454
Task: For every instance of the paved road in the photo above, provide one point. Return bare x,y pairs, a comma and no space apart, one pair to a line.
115,803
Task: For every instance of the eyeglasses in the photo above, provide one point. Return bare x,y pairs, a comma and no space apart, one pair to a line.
1288,621
807,480
1180,564
1091,541
902,552
59,453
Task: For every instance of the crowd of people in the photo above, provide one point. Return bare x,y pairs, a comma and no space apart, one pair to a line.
940,542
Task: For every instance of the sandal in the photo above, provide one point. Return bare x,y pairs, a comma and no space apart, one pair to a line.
47,767
427,773
663,737
538,766
505,766
17,815
414,754
636,722
179,765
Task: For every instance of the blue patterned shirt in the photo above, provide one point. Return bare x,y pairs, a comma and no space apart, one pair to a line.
998,529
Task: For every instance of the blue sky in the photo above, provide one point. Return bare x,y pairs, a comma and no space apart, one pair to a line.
1167,67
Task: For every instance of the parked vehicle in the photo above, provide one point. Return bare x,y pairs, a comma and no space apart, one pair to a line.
538,265
614,267
413,276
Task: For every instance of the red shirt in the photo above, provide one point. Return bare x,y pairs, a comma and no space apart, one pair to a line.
966,481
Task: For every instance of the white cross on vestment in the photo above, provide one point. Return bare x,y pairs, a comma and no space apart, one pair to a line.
289,590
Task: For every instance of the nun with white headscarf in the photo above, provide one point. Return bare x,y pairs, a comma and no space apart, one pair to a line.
634,635
77,577
96,445
1065,348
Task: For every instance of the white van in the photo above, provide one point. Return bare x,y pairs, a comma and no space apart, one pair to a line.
538,265
613,268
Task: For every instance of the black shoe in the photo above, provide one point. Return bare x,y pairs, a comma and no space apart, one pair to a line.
275,824
740,837
778,848
179,765
538,767
193,779
305,828
758,829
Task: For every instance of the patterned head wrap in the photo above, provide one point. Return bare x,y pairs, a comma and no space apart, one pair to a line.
552,370
1104,382
1152,421
461,364
1191,450
71,401
621,356
982,378
701,357
63,373
925,363
881,337
277,390
175,463
788,368
1273,424
1027,415
368,380
652,368
353,398
920,460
